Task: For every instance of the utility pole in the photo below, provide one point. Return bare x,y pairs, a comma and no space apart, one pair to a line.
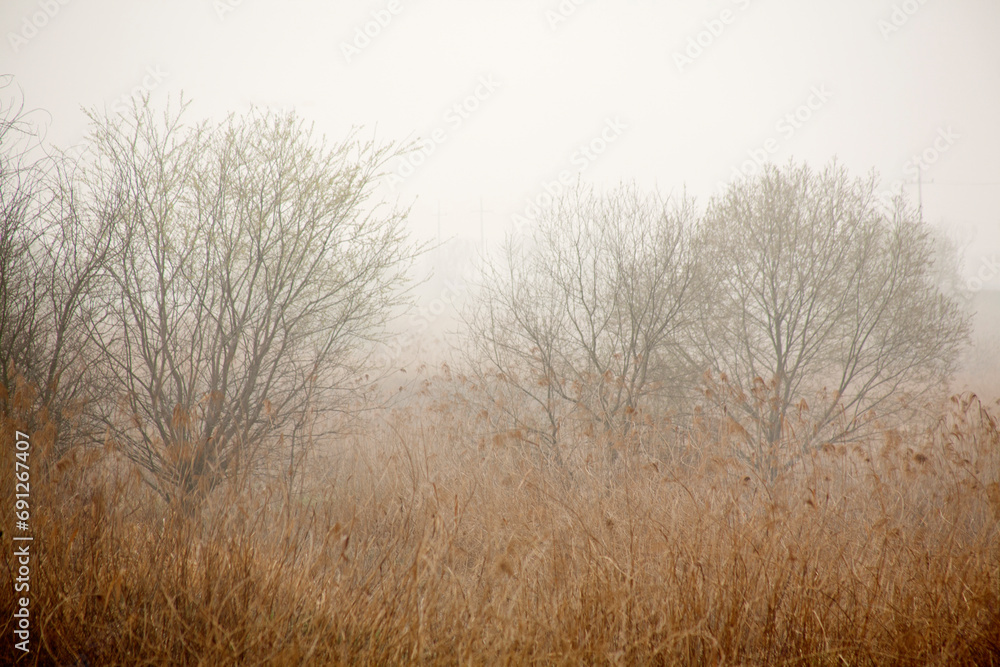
920,192
482,224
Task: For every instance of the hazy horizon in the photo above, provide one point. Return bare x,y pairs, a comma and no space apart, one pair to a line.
684,92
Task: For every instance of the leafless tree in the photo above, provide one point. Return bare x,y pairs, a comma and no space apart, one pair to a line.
21,195
827,310
581,319
250,274
49,261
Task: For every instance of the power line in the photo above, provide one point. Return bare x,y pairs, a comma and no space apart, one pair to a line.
937,181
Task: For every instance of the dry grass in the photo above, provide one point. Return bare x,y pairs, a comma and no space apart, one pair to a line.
420,541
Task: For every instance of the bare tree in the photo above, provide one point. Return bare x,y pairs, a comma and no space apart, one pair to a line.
49,261
21,195
250,275
582,319
827,310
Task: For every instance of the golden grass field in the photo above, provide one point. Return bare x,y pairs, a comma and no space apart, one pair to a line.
415,539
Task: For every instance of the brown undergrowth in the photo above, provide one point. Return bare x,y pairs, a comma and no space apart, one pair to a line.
420,540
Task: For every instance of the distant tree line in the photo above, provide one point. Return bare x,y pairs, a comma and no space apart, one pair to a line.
796,305
199,295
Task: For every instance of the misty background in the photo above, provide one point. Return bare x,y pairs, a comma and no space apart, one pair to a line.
502,99
414,331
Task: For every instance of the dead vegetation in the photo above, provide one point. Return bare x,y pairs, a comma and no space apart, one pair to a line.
420,540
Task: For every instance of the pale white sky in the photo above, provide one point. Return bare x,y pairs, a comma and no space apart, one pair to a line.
874,82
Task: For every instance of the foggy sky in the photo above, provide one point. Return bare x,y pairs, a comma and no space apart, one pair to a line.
507,95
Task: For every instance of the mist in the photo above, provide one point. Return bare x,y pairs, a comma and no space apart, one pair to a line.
427,331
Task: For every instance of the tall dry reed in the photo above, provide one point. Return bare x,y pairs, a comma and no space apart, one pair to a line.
419,540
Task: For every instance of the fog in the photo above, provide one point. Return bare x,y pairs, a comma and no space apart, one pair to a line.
563,331
506,103
508,95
